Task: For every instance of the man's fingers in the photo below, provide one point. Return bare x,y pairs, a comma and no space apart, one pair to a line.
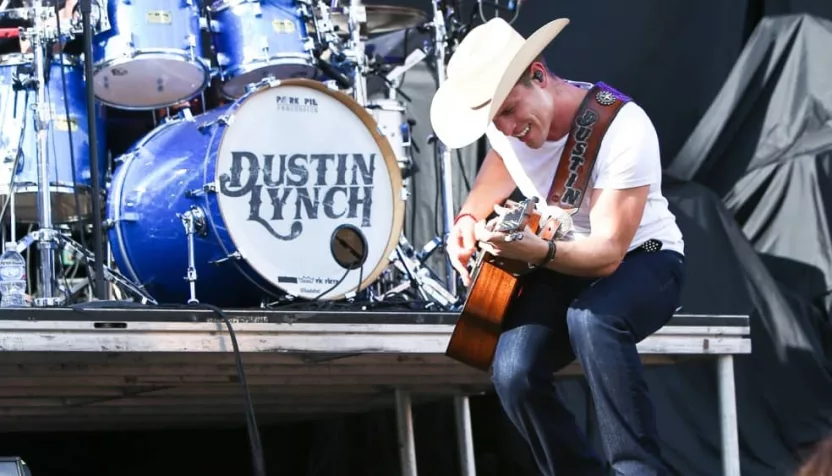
500,210
461,269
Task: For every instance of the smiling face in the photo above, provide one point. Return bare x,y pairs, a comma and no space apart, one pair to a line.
528,111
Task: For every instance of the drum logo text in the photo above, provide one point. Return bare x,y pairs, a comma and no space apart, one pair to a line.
296,104
300,187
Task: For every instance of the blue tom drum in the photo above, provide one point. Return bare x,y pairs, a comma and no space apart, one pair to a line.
264,195
68,146
151,56
256,39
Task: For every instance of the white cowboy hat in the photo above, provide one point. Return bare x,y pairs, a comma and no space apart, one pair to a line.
482,71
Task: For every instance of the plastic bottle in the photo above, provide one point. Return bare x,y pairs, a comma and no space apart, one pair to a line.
12,278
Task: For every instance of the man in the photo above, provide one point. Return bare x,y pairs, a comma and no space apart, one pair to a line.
593,297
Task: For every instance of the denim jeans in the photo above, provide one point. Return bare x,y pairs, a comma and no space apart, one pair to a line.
556,318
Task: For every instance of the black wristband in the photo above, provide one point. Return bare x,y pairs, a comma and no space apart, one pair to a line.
550,255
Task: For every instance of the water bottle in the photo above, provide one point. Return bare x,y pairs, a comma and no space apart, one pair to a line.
12,278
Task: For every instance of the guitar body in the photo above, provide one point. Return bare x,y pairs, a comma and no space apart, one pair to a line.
495,284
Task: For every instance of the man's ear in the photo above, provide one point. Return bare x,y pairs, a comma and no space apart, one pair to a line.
539,73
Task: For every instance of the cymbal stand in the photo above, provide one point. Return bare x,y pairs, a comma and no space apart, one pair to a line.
440,42
356,18
46,235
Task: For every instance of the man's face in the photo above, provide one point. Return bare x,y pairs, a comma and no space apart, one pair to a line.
526,114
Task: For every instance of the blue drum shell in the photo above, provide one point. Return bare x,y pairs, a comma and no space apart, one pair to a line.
150,188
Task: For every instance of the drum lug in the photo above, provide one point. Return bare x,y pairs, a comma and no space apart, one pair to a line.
207,188
225,119
265,83
234,255
209,25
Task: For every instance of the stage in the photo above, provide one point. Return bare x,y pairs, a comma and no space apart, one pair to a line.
94,368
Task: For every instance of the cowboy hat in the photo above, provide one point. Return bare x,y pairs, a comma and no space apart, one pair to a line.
482,71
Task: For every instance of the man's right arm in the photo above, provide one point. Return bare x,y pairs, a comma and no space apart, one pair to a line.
492,186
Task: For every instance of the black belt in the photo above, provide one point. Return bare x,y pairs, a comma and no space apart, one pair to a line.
650,246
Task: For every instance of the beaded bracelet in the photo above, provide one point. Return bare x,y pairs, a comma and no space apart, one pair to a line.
462,215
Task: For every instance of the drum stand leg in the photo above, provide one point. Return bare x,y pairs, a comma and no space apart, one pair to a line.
110,275
419,277
194,222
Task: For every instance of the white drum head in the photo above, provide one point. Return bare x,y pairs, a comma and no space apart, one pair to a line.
299,165
149,81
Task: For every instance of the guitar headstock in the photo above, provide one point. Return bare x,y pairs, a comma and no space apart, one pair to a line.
517,215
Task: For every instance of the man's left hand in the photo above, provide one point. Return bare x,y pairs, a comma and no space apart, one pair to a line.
522,245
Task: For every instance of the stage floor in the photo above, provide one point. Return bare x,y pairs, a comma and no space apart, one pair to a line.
149,368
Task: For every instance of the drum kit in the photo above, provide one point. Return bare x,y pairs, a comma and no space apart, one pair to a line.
291,188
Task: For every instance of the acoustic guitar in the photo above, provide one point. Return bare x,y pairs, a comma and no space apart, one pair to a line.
495,283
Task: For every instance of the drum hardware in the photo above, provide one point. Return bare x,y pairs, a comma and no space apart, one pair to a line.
355,52
438,51
46,236
108,273
194,222
418,277
32,75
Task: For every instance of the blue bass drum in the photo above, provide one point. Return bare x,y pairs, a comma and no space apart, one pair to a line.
256,39
293,192
151,56
68,146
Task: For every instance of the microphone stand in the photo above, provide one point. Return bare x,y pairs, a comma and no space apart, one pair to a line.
440,39
98,245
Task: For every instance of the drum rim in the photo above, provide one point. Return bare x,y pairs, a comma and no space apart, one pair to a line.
198,61
397,184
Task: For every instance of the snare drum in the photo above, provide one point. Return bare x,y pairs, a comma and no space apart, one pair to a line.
68,146
299,195
151,57
258,39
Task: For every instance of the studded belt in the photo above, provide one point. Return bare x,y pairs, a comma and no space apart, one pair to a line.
650,246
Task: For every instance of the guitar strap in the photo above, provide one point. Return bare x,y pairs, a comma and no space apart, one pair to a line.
591,122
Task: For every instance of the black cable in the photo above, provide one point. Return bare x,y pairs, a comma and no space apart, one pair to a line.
257,459
75,195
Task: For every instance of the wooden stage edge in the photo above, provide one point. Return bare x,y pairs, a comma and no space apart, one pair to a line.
100,368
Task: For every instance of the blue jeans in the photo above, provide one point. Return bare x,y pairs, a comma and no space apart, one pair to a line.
558,317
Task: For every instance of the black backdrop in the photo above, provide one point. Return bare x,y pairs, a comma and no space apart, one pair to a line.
673,58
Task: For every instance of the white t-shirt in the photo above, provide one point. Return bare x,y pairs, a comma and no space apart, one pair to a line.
628,157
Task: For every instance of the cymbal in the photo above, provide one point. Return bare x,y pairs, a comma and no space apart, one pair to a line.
381,19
